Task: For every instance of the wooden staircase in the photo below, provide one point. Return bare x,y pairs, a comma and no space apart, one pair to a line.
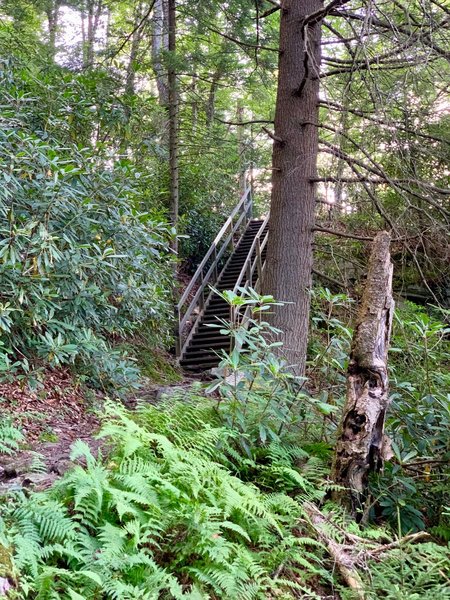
244,241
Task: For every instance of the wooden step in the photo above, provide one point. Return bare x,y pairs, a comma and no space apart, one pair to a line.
206,344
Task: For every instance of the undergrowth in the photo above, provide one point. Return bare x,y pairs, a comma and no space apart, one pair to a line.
163,515
209,495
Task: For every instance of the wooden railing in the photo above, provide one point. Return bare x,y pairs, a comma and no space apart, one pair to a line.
253,263
190,309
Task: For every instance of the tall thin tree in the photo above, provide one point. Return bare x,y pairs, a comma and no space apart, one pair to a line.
173,121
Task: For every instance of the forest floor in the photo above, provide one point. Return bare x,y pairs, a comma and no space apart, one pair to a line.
52,417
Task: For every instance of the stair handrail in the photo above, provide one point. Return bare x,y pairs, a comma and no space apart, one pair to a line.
247,271
203,280
249,266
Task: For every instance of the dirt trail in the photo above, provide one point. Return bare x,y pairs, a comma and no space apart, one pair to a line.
51,419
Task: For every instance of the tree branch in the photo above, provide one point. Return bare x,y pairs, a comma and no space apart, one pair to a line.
317,16
254,121
138,26
241,43
272,136
344,234
369,117
400,28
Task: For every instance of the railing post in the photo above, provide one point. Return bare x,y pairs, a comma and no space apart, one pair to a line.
177,332
216,271
202,295
258,258
250,204
231,231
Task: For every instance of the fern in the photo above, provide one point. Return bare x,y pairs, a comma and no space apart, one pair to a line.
413,573
10,438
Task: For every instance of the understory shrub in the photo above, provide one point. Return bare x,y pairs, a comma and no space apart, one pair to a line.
412,573
412,491
81,264
207,495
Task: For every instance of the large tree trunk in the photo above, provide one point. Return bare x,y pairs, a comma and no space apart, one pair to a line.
295,149
94,12
210,104
361,445
241,149
90,35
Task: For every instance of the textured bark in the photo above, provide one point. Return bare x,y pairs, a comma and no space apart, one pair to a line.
94,12
210,104
361,445
289,257
241,149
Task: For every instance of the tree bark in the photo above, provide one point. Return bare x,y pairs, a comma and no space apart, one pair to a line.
173,122
93,11
90,34
241,149
289,257
362,445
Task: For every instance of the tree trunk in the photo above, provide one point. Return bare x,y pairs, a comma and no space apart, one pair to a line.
135,43
173,121
241,148
295,149
83,38
53,22
159,46
210,104
361,445
94,13
90,35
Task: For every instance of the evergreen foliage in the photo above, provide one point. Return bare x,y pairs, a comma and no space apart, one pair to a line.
163,514
81,263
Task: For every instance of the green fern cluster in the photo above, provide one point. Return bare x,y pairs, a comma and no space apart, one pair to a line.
412,573
10,438
163,517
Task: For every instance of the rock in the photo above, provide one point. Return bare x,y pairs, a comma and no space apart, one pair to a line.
61,467
17,465
13,485
38,481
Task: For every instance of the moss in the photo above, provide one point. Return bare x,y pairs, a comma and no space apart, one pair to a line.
154,363
158,366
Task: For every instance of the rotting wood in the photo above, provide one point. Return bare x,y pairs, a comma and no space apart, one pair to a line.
362,445
344,562
349,552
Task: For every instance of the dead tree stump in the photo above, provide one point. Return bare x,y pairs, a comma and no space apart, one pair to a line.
362,445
